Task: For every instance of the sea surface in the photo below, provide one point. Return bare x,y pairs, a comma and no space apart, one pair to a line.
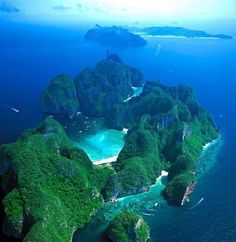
31,55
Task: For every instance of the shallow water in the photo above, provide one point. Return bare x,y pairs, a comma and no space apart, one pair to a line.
102,144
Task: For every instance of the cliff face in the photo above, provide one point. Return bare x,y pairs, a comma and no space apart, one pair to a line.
60,97
167,129
94,91
137,167
51,181
100,88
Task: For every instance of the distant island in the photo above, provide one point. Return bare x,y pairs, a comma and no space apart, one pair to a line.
114,36
52,187
178,31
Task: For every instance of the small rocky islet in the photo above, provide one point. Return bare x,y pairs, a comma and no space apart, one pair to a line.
128,226
53,188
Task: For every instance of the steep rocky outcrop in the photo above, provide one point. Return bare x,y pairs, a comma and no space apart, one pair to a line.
129,227
94,91
167,128
107,84
60,97
100,88
55,187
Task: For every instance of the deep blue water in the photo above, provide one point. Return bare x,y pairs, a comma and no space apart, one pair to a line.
31,55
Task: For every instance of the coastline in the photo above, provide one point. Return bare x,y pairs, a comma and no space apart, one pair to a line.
105,160
207,145
190,188
158,180
176,37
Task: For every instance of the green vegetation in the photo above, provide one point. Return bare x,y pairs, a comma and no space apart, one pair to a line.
102,87
94,91
60,97
53,188
128,226
56,187
137,167
168,129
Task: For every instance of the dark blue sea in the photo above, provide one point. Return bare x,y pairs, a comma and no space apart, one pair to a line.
31,55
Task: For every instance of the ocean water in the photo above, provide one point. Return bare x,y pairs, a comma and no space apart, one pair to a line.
31,55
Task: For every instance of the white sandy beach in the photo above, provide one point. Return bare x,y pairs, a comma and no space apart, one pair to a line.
163,174
105,160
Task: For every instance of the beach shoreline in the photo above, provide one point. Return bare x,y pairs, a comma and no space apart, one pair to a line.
105,160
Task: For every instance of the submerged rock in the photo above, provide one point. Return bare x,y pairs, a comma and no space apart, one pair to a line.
60,97
129,227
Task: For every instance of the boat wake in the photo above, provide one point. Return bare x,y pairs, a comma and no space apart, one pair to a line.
200,201
9,107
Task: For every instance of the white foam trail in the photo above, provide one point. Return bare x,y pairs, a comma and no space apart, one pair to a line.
158,50
161,47
196,204
148,214
11,108
15,110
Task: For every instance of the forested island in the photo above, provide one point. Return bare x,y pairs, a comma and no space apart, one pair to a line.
53,188
114,36
178,31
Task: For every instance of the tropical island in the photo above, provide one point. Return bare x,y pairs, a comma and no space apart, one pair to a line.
114,36
52,187
177,31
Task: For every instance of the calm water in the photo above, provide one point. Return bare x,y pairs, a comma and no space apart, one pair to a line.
32,55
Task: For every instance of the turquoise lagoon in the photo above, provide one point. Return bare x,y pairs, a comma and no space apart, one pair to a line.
100,144
103,144
91,135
